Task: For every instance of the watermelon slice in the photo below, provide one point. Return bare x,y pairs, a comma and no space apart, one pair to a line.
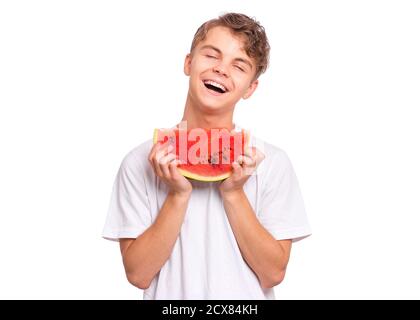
205,154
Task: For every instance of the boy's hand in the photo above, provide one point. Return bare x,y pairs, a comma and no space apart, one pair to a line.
241,170
165,165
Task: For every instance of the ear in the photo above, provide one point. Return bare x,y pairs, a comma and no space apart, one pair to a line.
187,64
251,89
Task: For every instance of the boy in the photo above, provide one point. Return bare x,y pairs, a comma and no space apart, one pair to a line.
185,239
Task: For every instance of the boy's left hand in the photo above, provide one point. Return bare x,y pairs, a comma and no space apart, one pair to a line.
242,170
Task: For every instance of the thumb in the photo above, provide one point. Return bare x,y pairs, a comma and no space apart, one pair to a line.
236,169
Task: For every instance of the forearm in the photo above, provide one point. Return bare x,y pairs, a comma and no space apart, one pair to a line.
146,255
259,248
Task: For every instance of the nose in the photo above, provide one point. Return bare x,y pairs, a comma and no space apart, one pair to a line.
220,69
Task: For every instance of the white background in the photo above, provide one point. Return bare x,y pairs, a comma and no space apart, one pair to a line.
84,82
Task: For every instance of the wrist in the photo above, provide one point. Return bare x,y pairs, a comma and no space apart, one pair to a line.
232,195
180,195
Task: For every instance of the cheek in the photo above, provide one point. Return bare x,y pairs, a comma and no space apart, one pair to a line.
204,64
242,84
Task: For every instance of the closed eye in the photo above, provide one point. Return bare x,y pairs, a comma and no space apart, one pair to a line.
240,68
209,56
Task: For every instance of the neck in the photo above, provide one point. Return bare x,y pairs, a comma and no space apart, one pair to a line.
197,118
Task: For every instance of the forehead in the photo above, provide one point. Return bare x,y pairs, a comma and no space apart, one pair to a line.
224,39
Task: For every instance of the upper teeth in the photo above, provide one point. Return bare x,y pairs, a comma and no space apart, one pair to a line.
216,84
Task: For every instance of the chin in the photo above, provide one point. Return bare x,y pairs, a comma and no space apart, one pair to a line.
211,106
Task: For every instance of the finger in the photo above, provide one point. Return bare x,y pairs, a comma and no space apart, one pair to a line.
165,146
259,156
151,157
155,148
163,164
254,153
152,152
247,161
173,169
160,159
249,157
250,151
156,145
153,166
248,165
236,170
156,167
162,151
155,160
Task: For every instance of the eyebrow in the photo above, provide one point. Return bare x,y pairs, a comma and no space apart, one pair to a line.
208,46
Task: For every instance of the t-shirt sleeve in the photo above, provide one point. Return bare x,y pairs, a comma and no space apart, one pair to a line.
129,209
282,211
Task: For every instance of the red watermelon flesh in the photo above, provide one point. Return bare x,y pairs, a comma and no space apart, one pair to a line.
205,154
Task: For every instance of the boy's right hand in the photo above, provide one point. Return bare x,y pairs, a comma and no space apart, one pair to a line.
165,165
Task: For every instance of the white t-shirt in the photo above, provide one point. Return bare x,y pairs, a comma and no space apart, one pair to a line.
206,262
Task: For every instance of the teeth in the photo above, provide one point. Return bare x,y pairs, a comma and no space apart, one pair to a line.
216,84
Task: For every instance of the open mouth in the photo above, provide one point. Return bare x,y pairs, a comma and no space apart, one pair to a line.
215,86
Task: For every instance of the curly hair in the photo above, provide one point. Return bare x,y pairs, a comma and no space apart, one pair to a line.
256,42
